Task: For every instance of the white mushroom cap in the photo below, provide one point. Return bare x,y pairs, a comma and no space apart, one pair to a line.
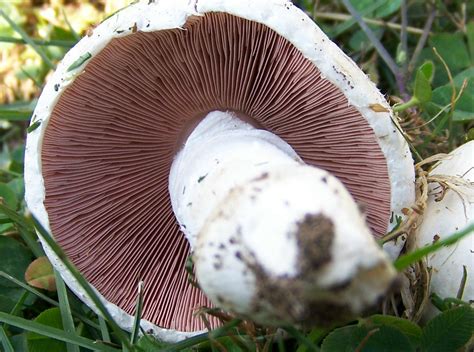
282,17
453,213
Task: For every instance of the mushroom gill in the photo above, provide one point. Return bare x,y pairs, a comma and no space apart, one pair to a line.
112,136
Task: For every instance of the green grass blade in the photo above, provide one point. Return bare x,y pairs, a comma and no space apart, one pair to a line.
410,258
302,339
17,308
378,46
66,315
35,81
40,42
195,340
315,336
47,299
437,130
20,105
28,288
281,344
7,346
28,40
27,233
19,304
15,115
54,333
138,314
71,29
104,330
121,335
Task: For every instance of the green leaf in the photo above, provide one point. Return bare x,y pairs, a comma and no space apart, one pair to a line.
14,259
428,70
386,8
18,154
8,298
17,185
444,94
345,339
448,331
452,48
470,40
444,304
379,339
390,7
408,328
388,339
367,9
40,343
359,40
401,56
422,89
464,108
19,342
8,196
40,274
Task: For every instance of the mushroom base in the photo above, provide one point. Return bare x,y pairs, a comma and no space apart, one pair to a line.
273,239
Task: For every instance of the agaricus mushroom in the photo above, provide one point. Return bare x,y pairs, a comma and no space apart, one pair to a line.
236,103
449,211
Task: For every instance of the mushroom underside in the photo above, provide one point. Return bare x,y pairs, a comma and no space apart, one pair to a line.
115,130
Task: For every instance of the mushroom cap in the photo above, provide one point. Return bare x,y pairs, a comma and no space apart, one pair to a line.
444,217
54,155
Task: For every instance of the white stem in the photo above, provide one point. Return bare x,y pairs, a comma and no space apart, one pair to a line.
273,238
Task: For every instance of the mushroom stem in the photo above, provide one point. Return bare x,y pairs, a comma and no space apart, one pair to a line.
274,239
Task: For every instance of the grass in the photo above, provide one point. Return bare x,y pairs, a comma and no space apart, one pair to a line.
420,54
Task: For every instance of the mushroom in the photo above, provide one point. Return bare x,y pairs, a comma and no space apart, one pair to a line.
249,123
448,211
